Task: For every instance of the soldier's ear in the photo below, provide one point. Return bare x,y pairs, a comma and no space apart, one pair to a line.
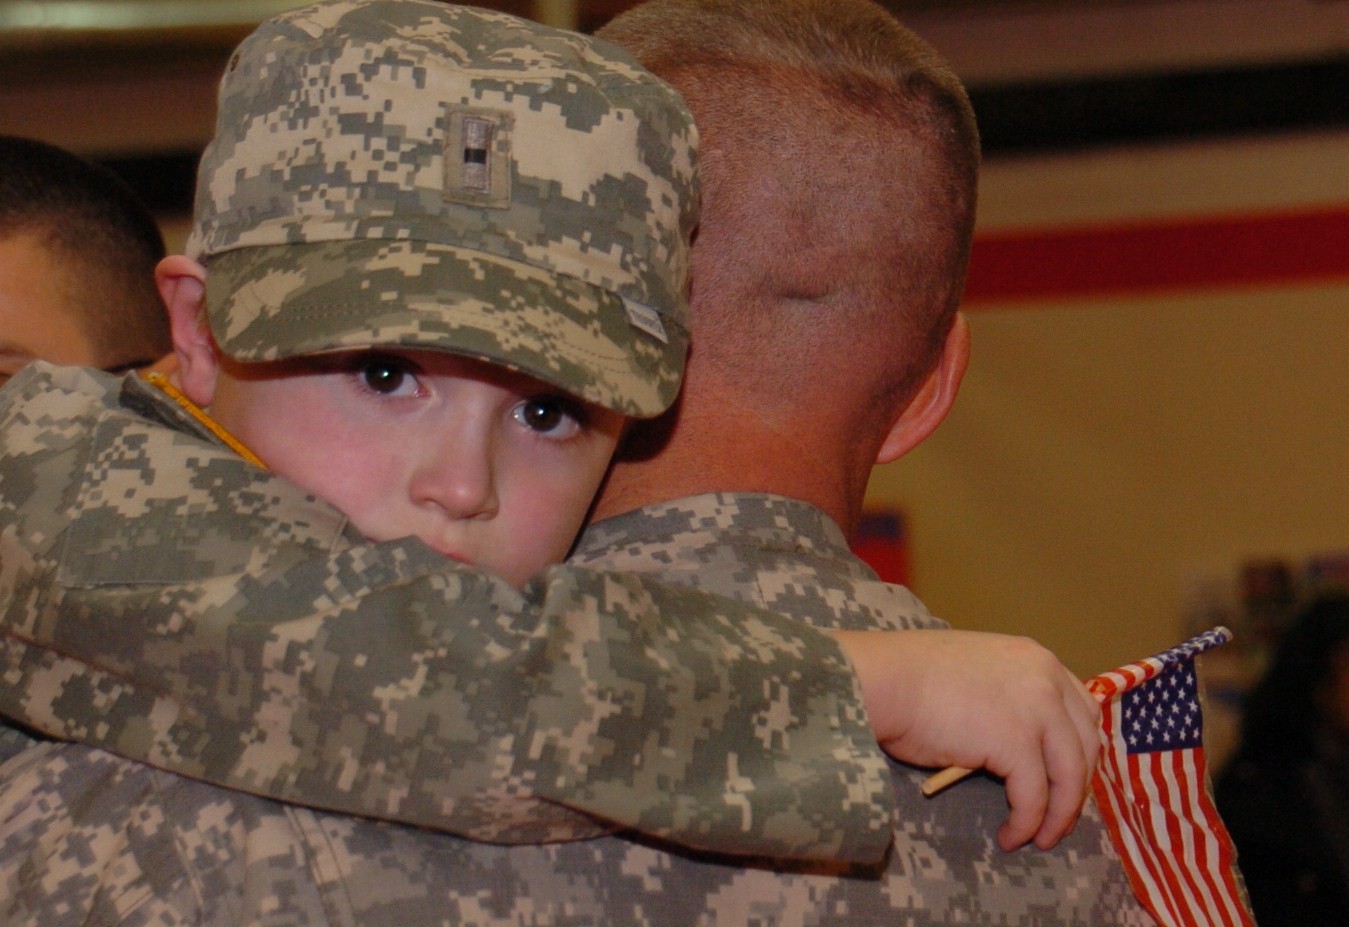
182,287
934,398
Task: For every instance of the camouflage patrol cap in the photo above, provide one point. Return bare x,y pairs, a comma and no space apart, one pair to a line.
421,174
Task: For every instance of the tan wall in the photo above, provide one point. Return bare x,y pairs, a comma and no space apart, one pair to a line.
1110,454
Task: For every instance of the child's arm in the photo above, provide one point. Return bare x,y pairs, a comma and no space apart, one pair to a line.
446,700
940,698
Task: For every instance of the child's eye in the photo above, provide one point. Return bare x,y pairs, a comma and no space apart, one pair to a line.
387,376
550,416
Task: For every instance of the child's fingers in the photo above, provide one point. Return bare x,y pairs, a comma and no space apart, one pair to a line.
1086,714
1046,792
1070,762
1027,788
1066,766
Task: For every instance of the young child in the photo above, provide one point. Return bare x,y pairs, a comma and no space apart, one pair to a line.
442,256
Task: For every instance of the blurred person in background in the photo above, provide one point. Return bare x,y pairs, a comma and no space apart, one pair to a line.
77,256
1285,792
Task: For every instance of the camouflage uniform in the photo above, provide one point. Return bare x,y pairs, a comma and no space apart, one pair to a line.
172,851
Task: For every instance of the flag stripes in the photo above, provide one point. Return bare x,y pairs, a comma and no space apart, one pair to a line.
1152,788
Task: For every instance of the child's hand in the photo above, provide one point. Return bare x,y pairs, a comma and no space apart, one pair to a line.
966,698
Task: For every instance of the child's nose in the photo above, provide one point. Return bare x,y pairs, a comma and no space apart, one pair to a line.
458,480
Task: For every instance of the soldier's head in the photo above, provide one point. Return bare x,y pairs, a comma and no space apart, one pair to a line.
77,256
839,162
439,259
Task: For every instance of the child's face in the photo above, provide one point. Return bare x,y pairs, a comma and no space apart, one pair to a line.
487,466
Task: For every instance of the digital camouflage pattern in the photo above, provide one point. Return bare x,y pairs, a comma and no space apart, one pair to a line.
165,600
269,864
944,866
417,173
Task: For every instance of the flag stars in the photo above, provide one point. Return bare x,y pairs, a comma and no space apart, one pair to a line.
1163,713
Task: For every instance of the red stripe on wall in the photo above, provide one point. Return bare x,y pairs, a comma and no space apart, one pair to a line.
1192,253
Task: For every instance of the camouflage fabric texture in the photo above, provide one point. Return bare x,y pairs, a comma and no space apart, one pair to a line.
165,600
943,867
424,174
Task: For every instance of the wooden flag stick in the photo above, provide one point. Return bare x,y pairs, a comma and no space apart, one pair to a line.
947,777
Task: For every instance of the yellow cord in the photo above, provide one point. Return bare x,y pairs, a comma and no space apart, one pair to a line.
161,382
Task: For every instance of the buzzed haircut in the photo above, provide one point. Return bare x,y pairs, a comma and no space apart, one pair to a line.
812,112
95,226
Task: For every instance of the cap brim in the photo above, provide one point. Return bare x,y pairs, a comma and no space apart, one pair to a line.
281,301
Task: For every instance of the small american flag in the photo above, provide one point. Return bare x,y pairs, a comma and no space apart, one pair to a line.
1153,790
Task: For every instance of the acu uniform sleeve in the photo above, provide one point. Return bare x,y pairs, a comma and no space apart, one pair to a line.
444,699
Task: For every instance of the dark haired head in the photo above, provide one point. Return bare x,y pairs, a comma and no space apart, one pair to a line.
1286,709
98,233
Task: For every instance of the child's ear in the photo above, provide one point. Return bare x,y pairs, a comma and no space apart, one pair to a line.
934,398
182,287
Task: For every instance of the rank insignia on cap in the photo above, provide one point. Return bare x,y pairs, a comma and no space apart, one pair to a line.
478,157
